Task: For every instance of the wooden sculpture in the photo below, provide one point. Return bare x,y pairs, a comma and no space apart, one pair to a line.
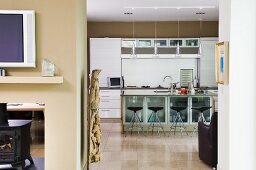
94,122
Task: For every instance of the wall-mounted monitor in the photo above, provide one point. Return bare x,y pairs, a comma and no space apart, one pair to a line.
17,38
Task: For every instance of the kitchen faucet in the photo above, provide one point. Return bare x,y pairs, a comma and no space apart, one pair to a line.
171,84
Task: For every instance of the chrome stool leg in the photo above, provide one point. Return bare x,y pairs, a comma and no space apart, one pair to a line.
174,125
132,122
159,123
135,123
155,122
152,122
182,127
138,123
200,118
178,122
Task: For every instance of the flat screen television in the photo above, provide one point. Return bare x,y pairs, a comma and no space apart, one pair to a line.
17,38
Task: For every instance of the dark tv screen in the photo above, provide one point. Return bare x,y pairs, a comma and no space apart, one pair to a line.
11,38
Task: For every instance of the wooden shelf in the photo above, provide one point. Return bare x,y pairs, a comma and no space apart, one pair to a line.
31,80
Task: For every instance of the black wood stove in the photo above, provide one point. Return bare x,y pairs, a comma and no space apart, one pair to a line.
15,140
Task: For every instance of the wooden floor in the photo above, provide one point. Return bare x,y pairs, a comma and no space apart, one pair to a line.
37,134
150,152
37,150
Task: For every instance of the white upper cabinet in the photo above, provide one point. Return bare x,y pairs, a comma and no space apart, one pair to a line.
105,55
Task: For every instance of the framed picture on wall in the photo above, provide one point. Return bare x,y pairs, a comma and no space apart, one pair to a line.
221,62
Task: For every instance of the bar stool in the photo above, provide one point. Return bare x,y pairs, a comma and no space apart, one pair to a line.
201,110
178,122
155,121
135,120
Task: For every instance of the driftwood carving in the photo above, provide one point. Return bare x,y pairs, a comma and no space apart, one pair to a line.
94,122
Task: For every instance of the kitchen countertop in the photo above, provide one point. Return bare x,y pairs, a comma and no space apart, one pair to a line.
140,91
107,88
162,92
149,88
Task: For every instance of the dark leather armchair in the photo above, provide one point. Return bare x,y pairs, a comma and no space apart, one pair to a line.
208,141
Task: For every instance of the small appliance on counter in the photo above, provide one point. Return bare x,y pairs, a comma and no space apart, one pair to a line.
115,82
182,91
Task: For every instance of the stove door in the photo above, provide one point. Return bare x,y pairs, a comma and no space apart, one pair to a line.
7,146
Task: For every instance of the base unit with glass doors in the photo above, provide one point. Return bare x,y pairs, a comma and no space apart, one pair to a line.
145,114
199,101
179,101
165,114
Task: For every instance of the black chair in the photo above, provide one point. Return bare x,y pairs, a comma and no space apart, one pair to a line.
208,141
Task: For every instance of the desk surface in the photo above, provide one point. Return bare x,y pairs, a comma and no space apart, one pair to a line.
25,107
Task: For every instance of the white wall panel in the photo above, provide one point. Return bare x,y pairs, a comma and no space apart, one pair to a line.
105,55
207,63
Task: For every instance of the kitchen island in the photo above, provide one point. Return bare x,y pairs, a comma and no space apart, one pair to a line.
163,98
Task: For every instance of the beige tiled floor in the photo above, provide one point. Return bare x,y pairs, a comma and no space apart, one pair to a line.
138,152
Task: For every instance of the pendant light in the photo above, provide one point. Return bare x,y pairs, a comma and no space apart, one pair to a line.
200,52
155,53
133,51
178,43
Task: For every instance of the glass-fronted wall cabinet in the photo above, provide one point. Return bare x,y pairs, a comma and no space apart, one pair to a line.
179,101
198,101
128,43
153,102
133,101
145,43
191,42
161,42
174,42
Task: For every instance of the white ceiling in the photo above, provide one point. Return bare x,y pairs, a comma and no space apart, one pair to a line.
144,10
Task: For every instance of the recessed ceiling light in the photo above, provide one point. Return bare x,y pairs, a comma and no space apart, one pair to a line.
200,13
128,13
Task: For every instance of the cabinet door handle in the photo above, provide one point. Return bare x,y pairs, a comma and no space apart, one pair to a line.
105,96
106,110
104,101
